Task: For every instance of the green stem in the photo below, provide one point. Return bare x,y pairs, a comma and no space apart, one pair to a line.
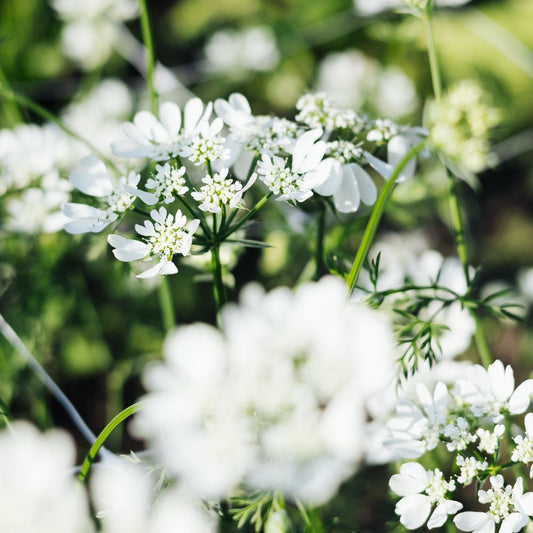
432,55
150,60
116,421
321,268
453,197
218,283
248,215
9,94
166,304
11,105
375,217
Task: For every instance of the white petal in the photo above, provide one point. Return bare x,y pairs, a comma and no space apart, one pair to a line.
303,146
472,520
150,127
92,184
383,169
521,397
72,210
414,510
333,180
397,149
347,197
170,116
529,424
367,188
192,115
240,103
501,380
404,484
168,267
525,503
150,273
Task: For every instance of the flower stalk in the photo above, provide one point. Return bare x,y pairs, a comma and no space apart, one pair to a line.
149,47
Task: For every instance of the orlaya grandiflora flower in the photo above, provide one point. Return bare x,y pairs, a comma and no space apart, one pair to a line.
491,392
347,182
117,197
421,489
307,171
165,138
509,508
167,235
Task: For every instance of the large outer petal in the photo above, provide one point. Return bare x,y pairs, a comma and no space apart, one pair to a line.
474,521
367,188
170,116
413,510
347,197
397,149
412,479
520,399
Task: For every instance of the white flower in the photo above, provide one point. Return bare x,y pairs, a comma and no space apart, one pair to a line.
219,190
307,170
276,400
459,435
207,145
509,507
469,467
126,500
168,181
489,440
165,138
492,392
348,182
37,492
524,444
421,489
171,234
117,196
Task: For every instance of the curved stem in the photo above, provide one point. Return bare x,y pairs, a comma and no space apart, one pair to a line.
150,61
23,101
248,215
375,217
116,421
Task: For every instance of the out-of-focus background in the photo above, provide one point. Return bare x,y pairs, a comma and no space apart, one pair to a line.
83,314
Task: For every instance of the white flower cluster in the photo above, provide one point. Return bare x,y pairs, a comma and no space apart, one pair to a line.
468,421
193,155
40,493
276,400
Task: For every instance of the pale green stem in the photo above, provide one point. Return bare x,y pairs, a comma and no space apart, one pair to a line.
375,217
166,304
150,61
457,223
116,421
218,283
11,104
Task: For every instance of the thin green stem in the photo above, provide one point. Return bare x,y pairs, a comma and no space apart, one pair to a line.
218,283
321,268
248,215
375,217
432,55
9,94
166,304
11,105
453,197
116,421
150,60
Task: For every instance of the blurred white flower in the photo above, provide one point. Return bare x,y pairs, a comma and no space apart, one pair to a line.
38,210
91,28
237,52
37,492
372,7
278,403
523,451
126,501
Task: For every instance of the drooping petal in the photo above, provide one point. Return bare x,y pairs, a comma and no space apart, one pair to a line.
413,510
303,146
347,197
383,169
367,188
333,180
397,149
521,397
474,521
